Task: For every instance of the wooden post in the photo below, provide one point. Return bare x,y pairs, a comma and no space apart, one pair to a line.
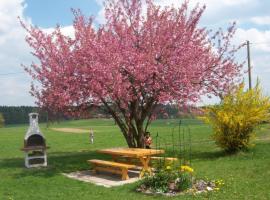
249,65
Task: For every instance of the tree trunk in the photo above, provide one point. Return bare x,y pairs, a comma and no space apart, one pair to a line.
134,134
131,126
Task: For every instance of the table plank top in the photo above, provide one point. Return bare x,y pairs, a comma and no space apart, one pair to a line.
131,152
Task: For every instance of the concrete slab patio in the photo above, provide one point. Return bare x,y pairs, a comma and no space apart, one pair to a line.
103,179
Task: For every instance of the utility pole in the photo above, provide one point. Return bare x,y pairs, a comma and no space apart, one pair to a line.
249,66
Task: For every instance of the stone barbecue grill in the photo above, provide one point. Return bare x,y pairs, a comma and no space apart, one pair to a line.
34,144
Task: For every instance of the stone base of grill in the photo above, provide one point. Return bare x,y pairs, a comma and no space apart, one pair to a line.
36,159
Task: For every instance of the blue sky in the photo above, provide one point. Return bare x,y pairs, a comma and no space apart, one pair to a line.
252,17
47,13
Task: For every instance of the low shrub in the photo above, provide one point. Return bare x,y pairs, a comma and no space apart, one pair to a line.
234,120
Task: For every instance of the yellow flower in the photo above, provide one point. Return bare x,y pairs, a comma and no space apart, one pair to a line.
186,168
168,168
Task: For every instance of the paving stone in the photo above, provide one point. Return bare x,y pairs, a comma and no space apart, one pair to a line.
103,178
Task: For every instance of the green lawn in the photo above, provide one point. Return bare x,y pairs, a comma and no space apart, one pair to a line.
246,175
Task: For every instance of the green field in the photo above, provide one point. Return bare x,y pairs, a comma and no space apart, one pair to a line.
246,175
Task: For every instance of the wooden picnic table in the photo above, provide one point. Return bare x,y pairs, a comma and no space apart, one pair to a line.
143,155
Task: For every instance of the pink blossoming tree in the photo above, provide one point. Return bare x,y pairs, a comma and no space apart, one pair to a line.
139,58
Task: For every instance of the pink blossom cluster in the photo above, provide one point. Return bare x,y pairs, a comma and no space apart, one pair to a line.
134,61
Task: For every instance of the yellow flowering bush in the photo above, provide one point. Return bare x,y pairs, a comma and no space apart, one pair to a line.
235,119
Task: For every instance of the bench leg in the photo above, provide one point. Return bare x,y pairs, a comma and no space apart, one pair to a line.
94,169
125,174
146,169
129,160
114,158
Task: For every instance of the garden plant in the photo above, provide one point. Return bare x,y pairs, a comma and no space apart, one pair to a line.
168,177
235,119
172,179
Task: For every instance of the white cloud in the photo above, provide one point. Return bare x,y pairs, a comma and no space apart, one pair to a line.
14,91
218,12
100,18
233,2
66,30
14,51
100,2
210,3
260,40
262,20
259,49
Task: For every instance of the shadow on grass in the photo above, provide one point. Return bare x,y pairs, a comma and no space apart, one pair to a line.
58,162
195,154
209,155
65,162
257,151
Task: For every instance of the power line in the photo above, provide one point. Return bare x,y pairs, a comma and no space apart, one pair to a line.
260,43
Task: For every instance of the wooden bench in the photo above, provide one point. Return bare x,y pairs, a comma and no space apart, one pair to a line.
168,159
134,161
113,167
128,160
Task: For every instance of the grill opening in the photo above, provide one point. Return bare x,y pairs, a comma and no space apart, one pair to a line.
36,161
35,140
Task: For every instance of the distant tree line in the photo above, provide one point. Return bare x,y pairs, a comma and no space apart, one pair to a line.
172,111
19,114
2,121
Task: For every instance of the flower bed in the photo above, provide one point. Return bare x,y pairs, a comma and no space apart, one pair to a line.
172,180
